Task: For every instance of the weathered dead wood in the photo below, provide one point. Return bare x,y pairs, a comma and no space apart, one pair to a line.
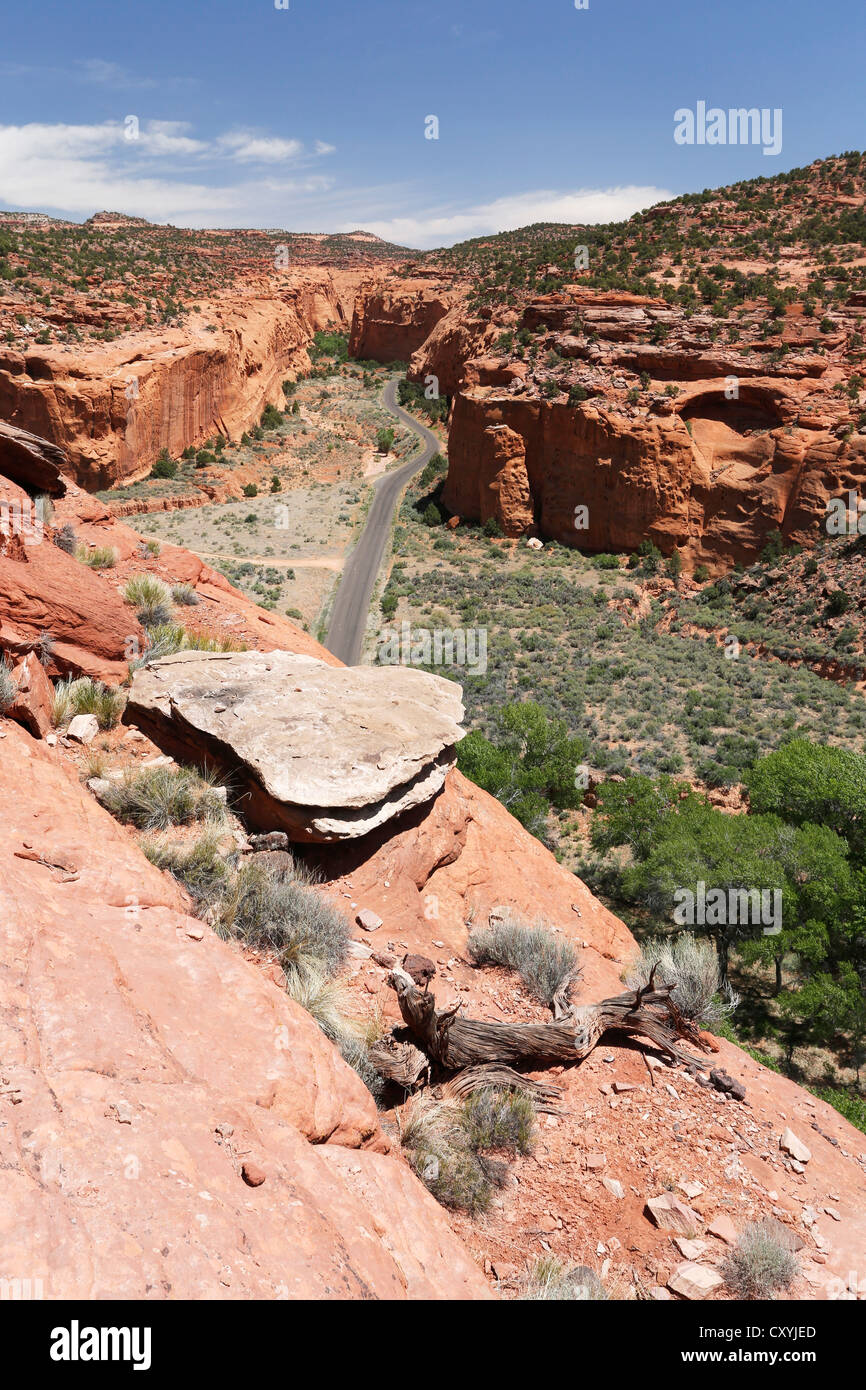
496,1074
456,1042
399,1062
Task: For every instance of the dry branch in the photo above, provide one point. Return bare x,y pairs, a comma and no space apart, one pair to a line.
496,1074
456,1042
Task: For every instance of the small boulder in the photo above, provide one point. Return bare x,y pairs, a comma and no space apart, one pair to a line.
790,1144
690,1249
367,920
727,1085
252,1174
670,1214
723,1228
274,839
694,1281
34,702
83,728
420,968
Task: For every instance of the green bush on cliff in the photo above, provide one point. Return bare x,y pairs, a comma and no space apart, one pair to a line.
276,909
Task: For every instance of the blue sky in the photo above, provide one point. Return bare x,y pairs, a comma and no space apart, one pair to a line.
313,118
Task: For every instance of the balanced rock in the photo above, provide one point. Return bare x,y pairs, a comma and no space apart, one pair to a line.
322,752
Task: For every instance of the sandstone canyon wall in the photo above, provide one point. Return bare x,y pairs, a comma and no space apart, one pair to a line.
646,477
391,321
115,406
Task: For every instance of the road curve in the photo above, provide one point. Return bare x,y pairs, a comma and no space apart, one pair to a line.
348,623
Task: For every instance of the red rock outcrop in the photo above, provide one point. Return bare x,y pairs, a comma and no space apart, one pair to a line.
113,407
456,338
712,490
389,323
29,460
679,441
144,1063
34,703
43,590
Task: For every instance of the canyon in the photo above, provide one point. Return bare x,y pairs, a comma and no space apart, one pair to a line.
197,1135
114,408
174,1124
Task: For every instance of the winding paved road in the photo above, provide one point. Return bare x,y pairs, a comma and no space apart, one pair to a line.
349,615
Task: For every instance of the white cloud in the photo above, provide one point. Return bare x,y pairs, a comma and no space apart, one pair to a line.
245,178
104,74
262,149
80,169
584,205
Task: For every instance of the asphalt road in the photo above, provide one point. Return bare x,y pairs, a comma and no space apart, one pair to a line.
349,615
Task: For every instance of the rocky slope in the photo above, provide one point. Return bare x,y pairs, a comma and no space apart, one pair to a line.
173,1126
136,1147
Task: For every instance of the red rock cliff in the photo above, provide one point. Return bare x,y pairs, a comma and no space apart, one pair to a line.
113,407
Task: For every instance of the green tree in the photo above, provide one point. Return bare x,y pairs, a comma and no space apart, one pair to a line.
384,440
529,764
805,781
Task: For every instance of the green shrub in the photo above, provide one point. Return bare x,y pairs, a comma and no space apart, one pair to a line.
250,490
271,417
499,1119
8,686
206,642
66,540
694,965
759,1264
163,639
384,440
150,598
551,1280
87,696
278,910
184,595
153,798
436,1146
164,468
198,866
98,558
327,1001
838,603
546,964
